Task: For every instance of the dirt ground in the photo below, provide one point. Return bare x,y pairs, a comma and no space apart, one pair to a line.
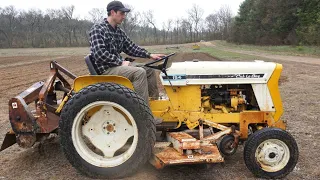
300,89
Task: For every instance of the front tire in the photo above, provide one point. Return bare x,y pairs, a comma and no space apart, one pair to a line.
107,131
271,153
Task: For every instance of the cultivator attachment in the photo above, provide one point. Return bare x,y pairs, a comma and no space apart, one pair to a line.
29,125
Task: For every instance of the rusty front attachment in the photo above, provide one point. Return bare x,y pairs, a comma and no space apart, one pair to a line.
26,124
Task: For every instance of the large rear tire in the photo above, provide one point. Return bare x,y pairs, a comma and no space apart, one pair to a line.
107,131
271,153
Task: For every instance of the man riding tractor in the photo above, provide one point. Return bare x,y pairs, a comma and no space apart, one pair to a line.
108,40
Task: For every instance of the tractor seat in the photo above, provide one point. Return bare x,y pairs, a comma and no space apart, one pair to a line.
91,65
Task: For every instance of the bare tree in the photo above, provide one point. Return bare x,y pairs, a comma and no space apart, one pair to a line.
143,31
56,23
167,27
55,13
150,19
188,27
164,32
195,15
32,22
225,15
8,25
177,30
97,14
202,30
212,22
68,13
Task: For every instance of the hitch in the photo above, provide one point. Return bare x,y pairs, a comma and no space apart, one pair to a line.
28,126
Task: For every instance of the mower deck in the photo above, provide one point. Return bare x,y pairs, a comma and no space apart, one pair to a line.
182,148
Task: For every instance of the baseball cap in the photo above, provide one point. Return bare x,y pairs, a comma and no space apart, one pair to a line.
117,5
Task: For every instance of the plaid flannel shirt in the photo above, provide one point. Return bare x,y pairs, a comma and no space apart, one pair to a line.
107,43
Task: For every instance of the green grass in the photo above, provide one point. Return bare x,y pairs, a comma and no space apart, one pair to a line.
226,55
215,52
283,50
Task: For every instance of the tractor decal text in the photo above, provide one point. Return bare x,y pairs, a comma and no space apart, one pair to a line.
226,76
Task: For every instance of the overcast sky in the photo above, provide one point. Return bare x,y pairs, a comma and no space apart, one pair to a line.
162,9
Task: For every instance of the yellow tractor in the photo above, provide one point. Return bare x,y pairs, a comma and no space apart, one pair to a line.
196,47
106,130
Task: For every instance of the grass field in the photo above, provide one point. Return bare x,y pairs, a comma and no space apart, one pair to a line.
214,51
282,50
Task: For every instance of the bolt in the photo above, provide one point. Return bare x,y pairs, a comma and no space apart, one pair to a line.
18,118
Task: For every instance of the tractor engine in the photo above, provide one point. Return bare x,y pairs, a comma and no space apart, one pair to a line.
226,98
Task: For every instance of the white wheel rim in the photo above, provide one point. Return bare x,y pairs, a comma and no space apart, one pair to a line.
108,131
272,155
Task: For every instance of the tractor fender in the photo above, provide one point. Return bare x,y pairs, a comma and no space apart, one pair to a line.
84,81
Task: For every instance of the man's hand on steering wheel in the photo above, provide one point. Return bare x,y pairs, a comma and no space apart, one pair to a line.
161,66
156,56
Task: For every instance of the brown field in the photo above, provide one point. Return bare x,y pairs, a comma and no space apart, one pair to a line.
300,87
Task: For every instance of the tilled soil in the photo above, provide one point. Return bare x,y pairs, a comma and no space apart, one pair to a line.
299,87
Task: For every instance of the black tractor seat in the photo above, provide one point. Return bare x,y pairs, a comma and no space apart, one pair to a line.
91,65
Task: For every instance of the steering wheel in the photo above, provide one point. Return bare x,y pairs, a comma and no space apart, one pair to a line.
163,66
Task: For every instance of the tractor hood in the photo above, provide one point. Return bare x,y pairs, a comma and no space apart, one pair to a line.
213,72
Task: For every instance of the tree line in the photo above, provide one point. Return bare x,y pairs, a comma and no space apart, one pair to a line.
34,28
267,22
61,28
277,22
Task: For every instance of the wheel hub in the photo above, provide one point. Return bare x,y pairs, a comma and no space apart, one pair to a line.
109,127
272,155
